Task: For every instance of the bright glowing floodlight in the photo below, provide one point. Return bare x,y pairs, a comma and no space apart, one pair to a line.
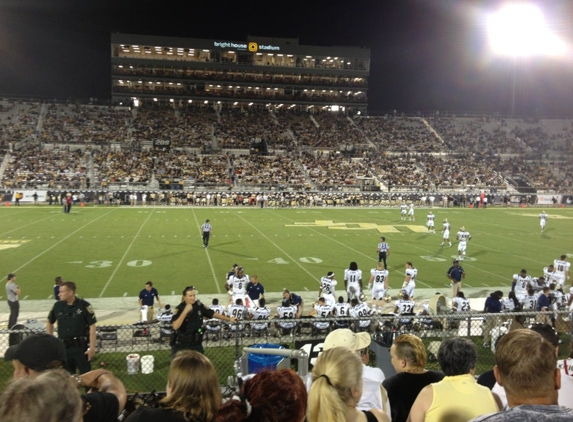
520,30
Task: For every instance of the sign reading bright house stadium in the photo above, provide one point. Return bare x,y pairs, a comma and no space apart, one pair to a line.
252,46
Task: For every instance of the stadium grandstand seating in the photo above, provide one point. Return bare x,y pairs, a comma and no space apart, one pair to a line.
188,146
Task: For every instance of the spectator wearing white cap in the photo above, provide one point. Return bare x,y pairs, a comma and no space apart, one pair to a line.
374,395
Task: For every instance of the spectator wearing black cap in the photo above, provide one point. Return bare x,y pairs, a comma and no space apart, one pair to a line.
41,352
383,251
456,274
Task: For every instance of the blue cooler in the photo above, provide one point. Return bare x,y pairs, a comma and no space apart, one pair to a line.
259,363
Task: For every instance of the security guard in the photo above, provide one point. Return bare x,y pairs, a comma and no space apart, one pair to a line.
76,327
187,322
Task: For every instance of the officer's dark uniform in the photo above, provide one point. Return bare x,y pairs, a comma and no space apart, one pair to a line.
190,334
74,323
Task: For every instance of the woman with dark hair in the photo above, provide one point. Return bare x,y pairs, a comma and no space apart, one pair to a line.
271,396
193,392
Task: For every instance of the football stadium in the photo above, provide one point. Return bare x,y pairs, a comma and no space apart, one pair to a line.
224,171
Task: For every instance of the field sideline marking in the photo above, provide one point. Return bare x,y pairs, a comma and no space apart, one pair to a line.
124,255
57,243
279,248
207,253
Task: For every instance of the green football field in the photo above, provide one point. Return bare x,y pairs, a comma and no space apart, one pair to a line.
112,252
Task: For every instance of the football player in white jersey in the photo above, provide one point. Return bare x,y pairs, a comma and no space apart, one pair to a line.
549,274
561,270
238,311
405,305
353,281
214,324
411,212
238,285
520,283
460,303
403,210
446,233
358,310
543,220
537,283
327,288
341,310
379,285
321,310
529,301
463,236
430,223
409,284
286,312
260,314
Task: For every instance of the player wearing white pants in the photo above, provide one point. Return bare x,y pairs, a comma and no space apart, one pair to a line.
543,220
410,281
379,284
561,270
446,233
463,236
353,281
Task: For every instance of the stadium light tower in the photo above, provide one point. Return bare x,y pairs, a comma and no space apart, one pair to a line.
519,30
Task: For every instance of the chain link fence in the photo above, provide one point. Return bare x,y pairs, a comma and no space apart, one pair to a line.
140,354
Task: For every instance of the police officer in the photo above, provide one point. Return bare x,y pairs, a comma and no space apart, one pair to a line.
456,274
383,251
76,327
187,322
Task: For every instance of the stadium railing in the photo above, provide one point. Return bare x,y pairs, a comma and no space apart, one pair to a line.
140,354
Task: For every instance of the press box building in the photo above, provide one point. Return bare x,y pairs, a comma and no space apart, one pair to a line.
264,72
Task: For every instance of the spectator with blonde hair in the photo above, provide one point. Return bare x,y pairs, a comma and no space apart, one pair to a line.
270,396
193,392
409,358
336,389
50,397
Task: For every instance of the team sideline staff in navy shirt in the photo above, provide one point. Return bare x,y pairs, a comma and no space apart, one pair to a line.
256,291
146,299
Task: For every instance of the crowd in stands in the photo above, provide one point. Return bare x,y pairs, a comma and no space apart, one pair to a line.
322,150
527,385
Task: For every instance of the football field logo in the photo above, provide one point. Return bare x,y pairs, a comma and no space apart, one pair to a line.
9,244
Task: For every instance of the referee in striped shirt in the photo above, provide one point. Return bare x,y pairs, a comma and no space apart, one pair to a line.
383,251
206,229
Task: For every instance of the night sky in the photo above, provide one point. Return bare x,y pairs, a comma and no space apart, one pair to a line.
426,54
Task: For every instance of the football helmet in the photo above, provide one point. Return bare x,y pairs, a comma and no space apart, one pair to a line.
362,297
387,297
463,228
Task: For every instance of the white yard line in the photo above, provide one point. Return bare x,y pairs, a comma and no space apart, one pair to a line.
57,243
207,252
124,255
30,224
